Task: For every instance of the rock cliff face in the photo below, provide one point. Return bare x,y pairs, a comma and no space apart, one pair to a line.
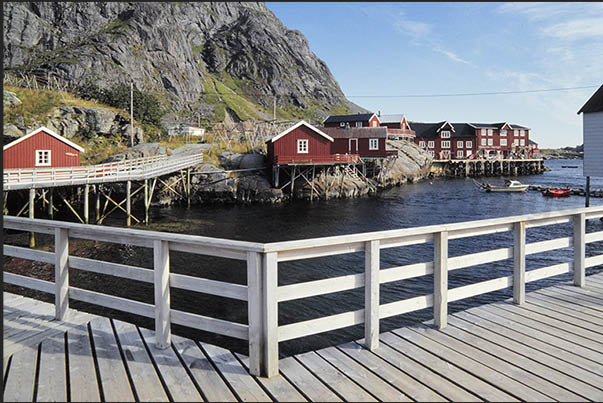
190,54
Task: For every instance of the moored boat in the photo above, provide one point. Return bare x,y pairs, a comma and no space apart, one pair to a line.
509,186
557,192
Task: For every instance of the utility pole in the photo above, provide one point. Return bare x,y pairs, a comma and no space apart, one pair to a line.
131,113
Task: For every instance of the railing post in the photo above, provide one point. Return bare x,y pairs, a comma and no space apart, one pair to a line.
519,262
161,266
440,279
579,249
254,311
270,315
371,295
61,272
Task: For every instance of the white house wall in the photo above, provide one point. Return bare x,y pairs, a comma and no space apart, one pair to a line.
593,144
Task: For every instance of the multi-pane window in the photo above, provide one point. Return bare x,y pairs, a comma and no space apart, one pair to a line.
422,144
459,144
431,144
483,132
516,142
516,132
459,154
490,142
490,132
483,142
469,144
469,152
358,124
42,158
446,144
522,142
503,132
373,144
522,133
302,146
503,142
445,134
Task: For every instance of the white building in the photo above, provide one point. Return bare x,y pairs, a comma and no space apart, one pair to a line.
592,132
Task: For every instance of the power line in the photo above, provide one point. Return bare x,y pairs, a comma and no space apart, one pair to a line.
470,94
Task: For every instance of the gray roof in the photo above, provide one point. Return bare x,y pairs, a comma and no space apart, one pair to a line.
594,104
391,118
356,132
359,117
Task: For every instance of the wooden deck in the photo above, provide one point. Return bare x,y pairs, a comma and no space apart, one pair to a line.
549,349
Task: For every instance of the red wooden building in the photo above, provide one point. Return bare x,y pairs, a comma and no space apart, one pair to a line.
304,143
367,142
41,148
397,127
357,120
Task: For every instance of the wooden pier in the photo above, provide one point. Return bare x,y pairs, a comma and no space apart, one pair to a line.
488,167
542,346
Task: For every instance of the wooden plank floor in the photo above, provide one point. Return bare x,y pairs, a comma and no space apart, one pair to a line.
550,349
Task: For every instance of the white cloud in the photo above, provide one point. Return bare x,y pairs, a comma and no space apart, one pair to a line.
415,29
576,29
451,56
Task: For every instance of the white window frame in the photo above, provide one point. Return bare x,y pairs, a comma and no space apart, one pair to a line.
490,142
422,144
483,141
42,161
373,144
430,144
445,134
459,144
490,132
445,144
516,142
516,132
503,132
358,124
522,142
469,144
431,153
302,146
341,124
483,132
468,153
459,153
522,133
503,142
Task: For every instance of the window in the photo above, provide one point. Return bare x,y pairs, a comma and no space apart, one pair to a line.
42,158
483,142
459,144
459,154
469,152
503,132
522,142
490,132
422,144
445,134
516,142
446,144
431,153
302,146
374,123
373,144
430,144
490,142
503,142
358,124
469,144
483,132
522,133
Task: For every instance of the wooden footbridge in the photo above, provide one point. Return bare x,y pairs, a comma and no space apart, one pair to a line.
145,172
545,345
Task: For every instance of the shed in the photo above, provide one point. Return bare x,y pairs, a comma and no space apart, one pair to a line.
301,143
42,148
592,132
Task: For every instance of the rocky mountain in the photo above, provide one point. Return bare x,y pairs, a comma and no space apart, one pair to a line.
206,60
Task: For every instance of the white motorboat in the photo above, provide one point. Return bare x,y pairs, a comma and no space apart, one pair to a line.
509,186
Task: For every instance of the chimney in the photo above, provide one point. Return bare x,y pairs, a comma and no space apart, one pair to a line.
379,113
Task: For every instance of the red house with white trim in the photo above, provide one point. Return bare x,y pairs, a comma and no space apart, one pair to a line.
41,148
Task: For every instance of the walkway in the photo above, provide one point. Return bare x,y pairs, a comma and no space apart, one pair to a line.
549,349
127,170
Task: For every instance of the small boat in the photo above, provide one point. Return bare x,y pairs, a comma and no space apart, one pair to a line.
509,186
557,192
569,166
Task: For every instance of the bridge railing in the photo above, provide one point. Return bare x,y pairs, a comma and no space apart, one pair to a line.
263,294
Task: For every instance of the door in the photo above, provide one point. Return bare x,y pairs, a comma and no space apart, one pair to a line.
353,146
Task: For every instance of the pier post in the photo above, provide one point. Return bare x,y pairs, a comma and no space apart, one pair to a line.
188,188
371,295
61,272
98,203
269,309
50,204
161,270
147,202
254,312
128,203
519,262
440,279
32,201
86,200
579,249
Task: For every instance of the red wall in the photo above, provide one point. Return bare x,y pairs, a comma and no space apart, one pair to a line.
342,146
23,155
287,145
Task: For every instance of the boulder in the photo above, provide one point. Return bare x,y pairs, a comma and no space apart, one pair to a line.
10,99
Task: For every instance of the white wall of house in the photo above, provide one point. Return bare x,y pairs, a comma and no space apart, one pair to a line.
592,129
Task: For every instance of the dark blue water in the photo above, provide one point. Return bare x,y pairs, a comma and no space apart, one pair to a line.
426,203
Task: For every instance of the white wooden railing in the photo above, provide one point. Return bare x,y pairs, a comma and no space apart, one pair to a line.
263,294
135,169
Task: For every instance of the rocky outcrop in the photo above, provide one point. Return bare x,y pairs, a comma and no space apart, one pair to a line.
179,50
10,99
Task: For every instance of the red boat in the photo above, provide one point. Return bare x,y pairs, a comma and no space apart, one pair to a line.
557,192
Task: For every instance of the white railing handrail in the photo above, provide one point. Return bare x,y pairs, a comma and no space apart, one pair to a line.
263,293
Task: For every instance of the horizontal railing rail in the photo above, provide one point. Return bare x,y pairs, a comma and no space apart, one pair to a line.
263,294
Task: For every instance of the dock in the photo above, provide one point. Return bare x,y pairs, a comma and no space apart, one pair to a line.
550,349
544,345
487,167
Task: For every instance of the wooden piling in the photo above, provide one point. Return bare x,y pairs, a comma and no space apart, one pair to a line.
128,203
32,198
86,201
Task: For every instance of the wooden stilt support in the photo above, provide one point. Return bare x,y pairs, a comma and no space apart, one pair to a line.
312,184
32,198
292,180
86,203
129,203
4,203
97,206
72,210
188,188
146,201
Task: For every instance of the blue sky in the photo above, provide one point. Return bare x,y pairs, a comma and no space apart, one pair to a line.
381,49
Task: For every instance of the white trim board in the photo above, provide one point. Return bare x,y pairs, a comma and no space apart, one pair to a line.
298,124
48,131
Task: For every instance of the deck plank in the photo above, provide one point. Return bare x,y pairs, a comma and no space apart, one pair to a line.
305,381
545,303
19,320
115,385
21,376
82,375
146,382
52,378
209,381
582,299
395,376
278,386
567,301
243,384
445,378
362,376
336,380
181,388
